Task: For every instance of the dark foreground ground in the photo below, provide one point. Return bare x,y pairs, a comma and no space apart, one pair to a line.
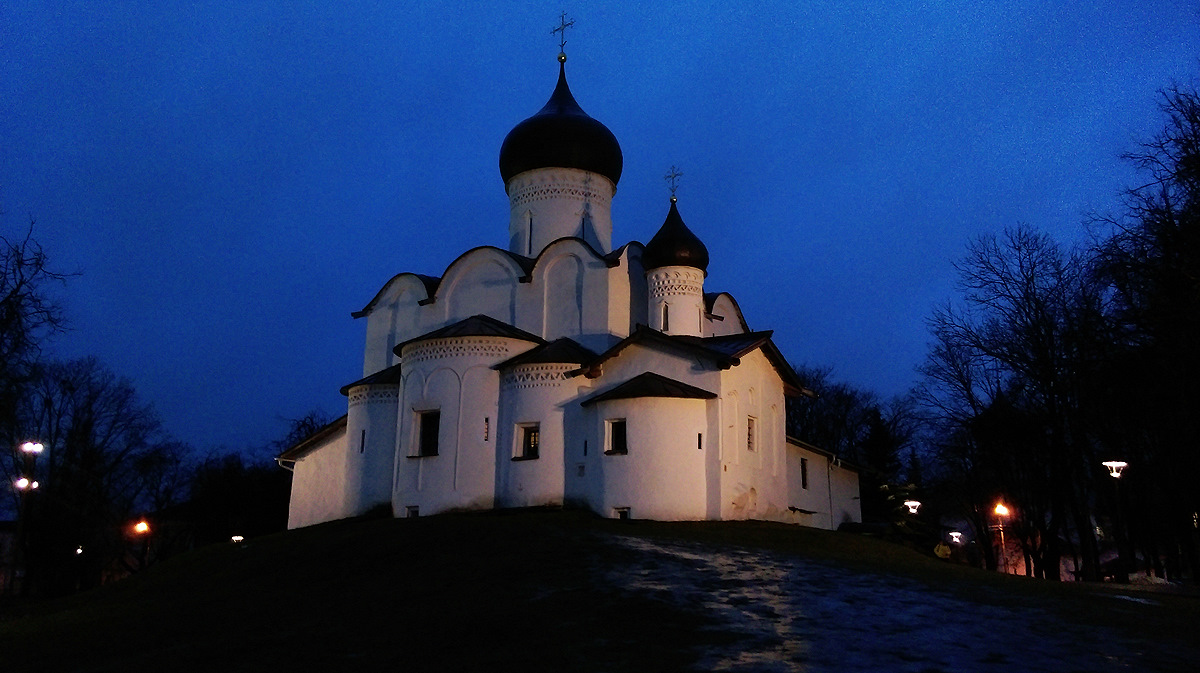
563,591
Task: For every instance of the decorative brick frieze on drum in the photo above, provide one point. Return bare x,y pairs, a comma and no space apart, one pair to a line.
389,394
537,376
438,349
674,281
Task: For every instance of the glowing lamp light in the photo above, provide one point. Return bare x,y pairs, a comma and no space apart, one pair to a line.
956,537
32,447
141,527
22,483
78,550
1001,510
236,538
912,505
1115,467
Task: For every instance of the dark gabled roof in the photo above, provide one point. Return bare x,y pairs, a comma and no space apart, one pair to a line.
383,377
734,345
650,384
725,351
562,350
304,446
833,457
476,325
647,336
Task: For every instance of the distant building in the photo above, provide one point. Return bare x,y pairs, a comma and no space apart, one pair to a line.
562,370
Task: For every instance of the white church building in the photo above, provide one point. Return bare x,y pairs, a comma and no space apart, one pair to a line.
562,370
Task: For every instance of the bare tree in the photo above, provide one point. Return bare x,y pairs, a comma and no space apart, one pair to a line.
1147,403
27,317
1003,381
105,459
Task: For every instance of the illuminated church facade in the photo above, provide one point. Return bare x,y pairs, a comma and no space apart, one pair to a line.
562,370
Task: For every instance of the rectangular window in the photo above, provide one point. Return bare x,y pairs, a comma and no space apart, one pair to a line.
666,318
362,441
700,441
530,437
617,439
621,513
803,473
750,432
487,428
429,424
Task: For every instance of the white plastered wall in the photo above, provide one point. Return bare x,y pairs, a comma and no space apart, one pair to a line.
370,446
319,484
546,204
662,476
753,482
454,377
533,394
847,506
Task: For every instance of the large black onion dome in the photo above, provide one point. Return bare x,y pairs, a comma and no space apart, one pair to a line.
561,135
675,245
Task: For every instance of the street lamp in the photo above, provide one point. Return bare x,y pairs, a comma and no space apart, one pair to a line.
1002,512
912,505
142,529
24,485
1115,469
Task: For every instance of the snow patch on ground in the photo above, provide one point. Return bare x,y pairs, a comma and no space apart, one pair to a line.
775,613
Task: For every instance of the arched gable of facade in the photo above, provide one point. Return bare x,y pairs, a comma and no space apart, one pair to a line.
727,314
392,317
564,273
482,281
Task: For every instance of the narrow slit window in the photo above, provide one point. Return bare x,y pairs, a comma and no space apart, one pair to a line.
804,473
362,441
666,318
750,432
529,233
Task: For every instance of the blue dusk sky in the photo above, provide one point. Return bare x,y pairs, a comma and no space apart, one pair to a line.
231,180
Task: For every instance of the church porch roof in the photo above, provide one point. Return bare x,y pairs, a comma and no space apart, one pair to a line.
724,351
383,377
476,325
564,350
302,448
650,384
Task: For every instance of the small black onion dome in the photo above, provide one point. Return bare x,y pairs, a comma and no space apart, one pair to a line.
675,245
561,135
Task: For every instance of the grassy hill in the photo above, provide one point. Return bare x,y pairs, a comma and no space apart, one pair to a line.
518,591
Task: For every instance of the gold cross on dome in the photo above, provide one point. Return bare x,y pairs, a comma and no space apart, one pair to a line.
563,25
673,178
